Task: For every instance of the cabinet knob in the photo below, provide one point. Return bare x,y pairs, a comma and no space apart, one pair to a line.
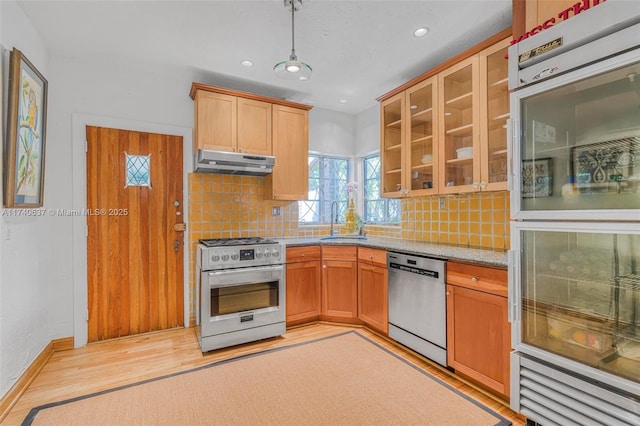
475,185
448,293
324,266
302,255
483,184
474,279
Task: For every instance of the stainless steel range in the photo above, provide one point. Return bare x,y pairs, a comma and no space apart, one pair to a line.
241,288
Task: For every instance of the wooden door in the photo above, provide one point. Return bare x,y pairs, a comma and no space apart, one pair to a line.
254,126
290,177
340,289
134,253
373,296
216,119
479,336
303,291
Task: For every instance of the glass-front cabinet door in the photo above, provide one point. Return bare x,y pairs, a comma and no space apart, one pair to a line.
421,162
392,135
494,93
579,292
459,133
578,144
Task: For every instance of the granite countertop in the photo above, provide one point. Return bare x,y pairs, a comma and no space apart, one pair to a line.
443,251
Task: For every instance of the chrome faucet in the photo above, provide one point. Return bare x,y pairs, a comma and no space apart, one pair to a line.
333,203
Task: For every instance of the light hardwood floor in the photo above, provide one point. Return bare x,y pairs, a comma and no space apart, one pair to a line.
108,364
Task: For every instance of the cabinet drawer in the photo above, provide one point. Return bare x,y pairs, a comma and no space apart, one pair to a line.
346,253
490,280
372,256
303,254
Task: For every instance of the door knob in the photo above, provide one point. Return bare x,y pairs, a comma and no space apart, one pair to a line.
176,203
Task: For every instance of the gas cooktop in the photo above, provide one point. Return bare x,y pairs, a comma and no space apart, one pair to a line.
220,242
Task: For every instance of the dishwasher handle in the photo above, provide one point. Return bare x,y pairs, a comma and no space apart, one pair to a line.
414,270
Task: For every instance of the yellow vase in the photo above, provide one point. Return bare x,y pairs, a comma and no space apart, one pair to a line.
351,219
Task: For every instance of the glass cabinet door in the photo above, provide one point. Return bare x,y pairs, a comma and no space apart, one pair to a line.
580,143
581,297
392,130
495,92
459,133
421,147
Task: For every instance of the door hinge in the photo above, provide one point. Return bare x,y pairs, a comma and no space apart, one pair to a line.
86,146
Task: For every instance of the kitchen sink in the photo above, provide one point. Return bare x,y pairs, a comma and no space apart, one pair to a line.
344,237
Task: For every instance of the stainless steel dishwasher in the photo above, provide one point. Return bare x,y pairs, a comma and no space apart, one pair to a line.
417,304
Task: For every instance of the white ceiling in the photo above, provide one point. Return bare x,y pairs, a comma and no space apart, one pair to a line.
359,50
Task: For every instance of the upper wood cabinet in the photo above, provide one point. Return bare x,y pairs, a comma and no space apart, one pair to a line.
446,131
229,120
409,150
290,177
474,109
460,131
231,123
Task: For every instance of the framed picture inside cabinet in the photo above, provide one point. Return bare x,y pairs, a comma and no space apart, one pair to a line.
607,166
24,148
537,177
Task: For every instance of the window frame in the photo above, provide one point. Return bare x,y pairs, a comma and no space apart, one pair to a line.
321,201
386,201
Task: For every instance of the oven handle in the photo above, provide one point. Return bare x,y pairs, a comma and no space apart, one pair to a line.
231,277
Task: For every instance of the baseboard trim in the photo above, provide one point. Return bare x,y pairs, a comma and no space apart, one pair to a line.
63,344
12,396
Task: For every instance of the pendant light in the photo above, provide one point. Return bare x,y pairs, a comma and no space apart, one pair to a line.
293,69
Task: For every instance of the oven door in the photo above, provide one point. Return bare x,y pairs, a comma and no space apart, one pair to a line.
238,299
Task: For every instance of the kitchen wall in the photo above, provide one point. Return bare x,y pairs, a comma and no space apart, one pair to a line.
27,247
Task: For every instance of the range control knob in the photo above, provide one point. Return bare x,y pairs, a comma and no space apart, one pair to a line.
215,258
267,253
225,256
235,256
258,254
275,253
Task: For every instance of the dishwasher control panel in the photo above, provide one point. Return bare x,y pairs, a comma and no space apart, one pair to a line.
434,268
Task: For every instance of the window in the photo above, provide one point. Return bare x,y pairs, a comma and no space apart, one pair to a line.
328,177
376,209
137,170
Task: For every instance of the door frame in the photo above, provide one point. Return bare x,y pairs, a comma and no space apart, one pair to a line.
79,122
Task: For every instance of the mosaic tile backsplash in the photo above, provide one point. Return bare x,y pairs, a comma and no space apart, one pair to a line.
227,206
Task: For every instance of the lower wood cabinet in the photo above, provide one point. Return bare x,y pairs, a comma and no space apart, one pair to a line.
339,282
373,290
303,284
478,331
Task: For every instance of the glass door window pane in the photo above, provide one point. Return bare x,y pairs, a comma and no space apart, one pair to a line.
421,155
580,144
581,298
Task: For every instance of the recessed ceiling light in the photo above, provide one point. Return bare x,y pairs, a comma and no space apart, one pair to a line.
247,63
421,32
343,101
303,77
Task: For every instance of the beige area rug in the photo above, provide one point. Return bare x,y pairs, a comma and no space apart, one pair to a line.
345,379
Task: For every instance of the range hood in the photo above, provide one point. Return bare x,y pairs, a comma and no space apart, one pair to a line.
233,163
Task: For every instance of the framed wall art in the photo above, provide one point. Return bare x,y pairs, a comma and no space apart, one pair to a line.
537,178
26,128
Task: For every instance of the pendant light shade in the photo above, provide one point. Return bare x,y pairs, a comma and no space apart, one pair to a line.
293,69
